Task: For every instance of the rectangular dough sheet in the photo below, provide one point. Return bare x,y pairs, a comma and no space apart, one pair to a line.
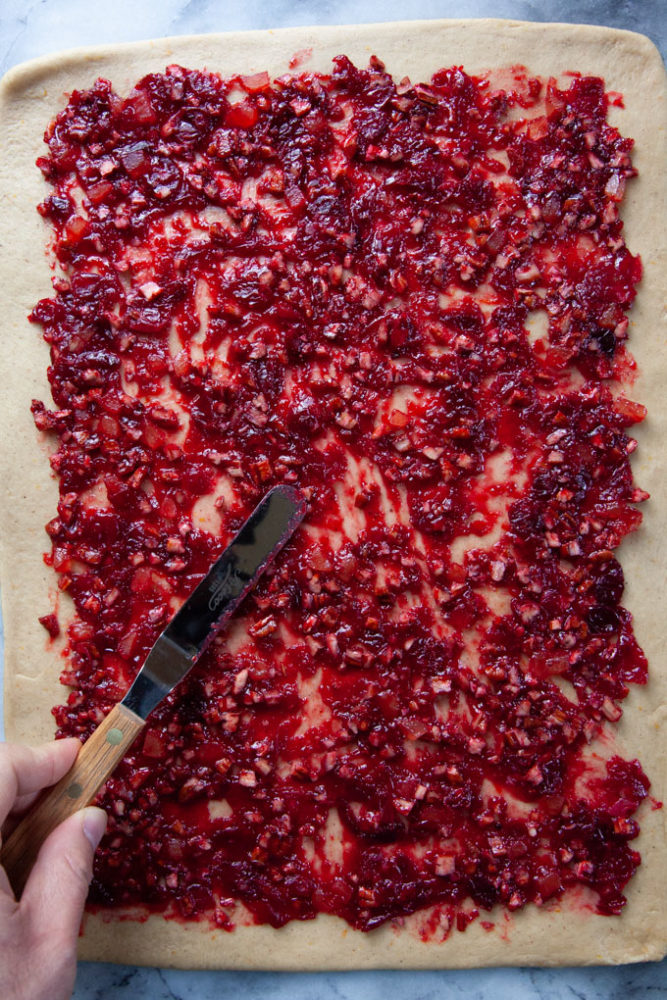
30,96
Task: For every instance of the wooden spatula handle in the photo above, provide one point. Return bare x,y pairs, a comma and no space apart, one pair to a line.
96,760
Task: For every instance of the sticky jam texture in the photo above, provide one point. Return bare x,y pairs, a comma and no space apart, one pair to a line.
410,300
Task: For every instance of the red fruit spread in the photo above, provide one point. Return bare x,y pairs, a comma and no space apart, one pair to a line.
410,300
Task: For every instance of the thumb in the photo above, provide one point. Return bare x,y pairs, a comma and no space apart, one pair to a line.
56,891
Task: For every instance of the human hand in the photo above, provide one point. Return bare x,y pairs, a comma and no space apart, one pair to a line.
38,935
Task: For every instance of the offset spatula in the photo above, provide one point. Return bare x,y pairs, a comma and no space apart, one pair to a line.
177,649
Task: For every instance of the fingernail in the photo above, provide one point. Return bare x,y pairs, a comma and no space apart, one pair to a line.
94,824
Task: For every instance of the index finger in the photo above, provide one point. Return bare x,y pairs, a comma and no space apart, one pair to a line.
25,770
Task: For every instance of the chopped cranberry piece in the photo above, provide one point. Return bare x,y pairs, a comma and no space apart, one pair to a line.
256,83
242,115
50,623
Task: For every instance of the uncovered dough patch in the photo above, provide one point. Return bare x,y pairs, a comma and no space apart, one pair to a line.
406,285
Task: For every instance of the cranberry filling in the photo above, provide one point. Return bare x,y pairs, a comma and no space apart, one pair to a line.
333,281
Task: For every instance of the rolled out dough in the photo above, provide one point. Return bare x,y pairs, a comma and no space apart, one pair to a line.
30,96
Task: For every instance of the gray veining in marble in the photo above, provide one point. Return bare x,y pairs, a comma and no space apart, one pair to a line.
30,28
627,983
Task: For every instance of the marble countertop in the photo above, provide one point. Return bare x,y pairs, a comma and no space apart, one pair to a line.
30,28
